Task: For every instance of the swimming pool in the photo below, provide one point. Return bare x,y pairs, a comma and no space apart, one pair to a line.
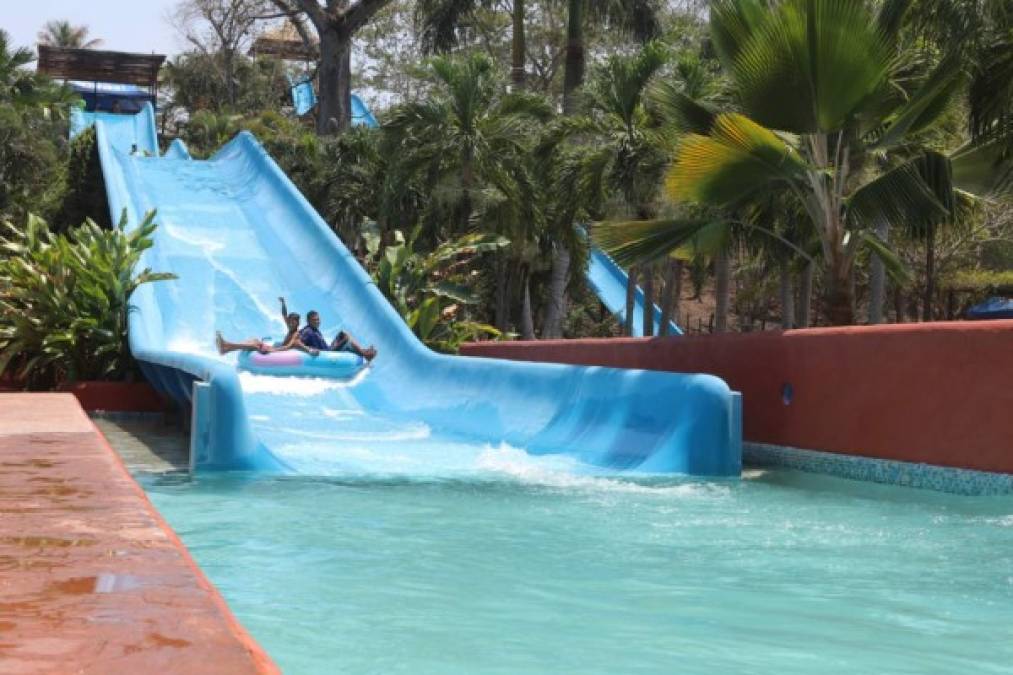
524,564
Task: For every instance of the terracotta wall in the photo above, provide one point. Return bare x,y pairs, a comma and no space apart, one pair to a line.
116,396
940,393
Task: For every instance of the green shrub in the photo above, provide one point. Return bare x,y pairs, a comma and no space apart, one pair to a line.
86,193
431,290
979,280
64,299
31,163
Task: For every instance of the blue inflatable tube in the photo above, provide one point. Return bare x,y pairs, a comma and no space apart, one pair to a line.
299,363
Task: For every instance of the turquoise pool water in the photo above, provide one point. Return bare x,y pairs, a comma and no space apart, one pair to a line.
526,566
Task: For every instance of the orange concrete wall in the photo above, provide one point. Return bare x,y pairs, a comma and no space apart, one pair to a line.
940,393
116,396
104,396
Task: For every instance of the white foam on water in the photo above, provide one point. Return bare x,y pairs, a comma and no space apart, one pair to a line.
1001,521
342,414
568,473
287,386
358,460
206,244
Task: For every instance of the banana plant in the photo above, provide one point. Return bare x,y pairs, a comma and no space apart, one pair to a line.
64,298
428,289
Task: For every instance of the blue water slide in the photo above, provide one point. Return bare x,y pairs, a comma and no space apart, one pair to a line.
304,98
609,280
361,113
238,234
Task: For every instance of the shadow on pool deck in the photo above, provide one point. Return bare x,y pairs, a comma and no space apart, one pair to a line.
146,443
92,580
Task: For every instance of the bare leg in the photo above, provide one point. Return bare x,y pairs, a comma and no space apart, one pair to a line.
345,342
224,346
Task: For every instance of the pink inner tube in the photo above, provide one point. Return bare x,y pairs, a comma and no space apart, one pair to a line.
292,362
285,358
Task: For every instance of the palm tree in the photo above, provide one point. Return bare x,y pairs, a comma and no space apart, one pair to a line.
24,88
62,33
646,128
626,155
469,136
981,31
470,142
15,79
826,97
439,21
635,17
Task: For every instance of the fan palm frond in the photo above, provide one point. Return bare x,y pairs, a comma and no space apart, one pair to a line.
738,157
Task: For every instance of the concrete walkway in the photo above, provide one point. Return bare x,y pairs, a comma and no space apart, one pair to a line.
92,580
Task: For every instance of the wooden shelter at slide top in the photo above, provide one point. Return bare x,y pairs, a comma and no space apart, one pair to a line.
104,77
284,43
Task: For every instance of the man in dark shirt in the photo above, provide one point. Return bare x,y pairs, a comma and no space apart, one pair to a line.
311,336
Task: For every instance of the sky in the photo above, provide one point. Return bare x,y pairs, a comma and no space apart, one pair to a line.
123,25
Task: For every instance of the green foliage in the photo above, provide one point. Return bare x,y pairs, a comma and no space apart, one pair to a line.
298,151
24,88
737,159
31,163
979,280
85,197
64,299
32,133
802,65
428,290
467,142
199,82
855,98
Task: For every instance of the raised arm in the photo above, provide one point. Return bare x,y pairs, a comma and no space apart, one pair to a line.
284,309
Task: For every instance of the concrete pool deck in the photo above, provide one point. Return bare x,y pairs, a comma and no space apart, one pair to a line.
92,579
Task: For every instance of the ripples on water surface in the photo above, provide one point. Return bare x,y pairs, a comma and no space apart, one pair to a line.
506,563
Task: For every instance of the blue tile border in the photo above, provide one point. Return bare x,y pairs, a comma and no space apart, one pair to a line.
908,474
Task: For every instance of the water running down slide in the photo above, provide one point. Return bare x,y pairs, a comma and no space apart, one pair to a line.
238,234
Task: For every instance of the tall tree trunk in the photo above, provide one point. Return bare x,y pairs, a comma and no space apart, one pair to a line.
877,280
502,265
930,275
671,295
877,290
787,298
805,295
552,328
228,61
334,107
572,78
648,328
527,323
573,68
722,282
518,46
631,300
839,304
898,304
